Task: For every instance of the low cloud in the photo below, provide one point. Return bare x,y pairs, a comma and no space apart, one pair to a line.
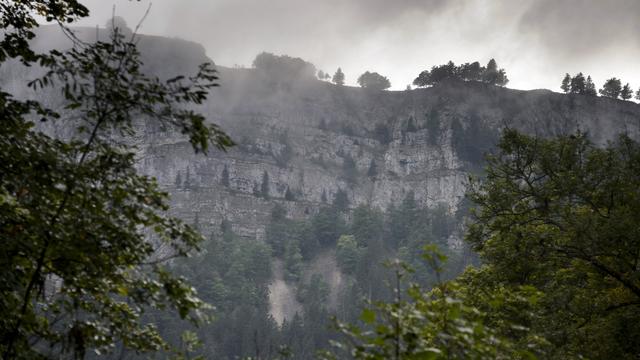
537,41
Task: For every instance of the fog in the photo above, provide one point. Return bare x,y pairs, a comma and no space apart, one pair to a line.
536,41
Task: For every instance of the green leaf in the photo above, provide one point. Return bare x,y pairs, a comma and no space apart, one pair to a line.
368,316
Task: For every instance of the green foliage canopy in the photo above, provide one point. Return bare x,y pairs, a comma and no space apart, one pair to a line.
80,228
561,215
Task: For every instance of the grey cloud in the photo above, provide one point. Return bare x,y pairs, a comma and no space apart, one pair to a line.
535,40
578,27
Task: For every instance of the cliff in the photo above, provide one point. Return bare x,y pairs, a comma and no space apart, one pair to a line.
313,139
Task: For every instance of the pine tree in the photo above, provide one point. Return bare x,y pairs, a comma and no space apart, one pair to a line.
288,195
178,182
225,177
411,126
338,77
341,200
350,169
638,94
494,76
626,93
578,84
187,180
264,187
373,169
566,83
590,87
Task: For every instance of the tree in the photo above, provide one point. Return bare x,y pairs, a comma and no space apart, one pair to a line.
373,169
327,226
292,261
423,79
638,94
264,186
411,125
338,77
578,84
288,195
320,75
349,169
224,177
366,225
119,23
561,215
471,72
626,93
373,81
465,72
80,227
437,75
611,88
419,324
402,220
566,83
187,180
341,200
283,68
493,75
348,254
278,230
383,133
590,87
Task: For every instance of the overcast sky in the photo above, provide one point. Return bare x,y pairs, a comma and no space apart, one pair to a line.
536,41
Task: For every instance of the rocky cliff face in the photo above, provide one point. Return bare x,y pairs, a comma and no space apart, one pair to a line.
303,141
312,139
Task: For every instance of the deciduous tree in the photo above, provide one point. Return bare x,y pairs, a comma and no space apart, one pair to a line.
373,81
80,227
611,88
561,215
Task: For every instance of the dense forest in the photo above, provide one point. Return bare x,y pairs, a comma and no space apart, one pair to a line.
234,273
541,259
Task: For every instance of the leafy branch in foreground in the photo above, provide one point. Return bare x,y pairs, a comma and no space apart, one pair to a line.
435,324
561,216
79,227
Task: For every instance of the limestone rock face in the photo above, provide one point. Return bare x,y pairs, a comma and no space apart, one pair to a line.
311,139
